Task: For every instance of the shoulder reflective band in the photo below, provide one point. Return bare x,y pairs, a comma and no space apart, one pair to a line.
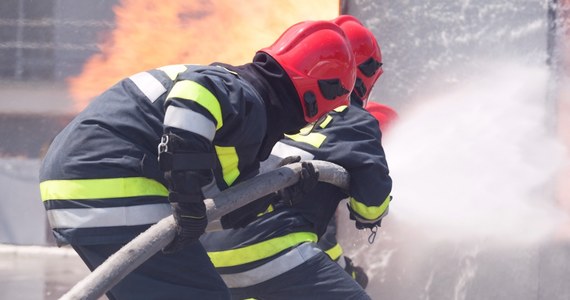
229,160
255,252
172,71
326,121
273,268
189,120
334,252
148,85
370,213
190,90
314,139
80,189
341,108
283,150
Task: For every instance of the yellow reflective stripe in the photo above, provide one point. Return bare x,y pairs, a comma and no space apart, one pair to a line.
190,90
173,70
229,161
78,189
307,129
326,121
341,108
335,252
255,252
314,139
268,210
369,212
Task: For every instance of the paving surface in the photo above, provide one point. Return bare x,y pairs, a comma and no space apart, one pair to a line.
38,273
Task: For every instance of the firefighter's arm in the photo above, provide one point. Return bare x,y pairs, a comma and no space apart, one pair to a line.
186,171
186,156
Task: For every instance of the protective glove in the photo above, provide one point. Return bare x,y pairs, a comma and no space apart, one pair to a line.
188,208
308,179
360,222
191,221
289,160
246,214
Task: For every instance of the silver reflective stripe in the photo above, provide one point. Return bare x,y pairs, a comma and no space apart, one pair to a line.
342,262
272,269
189,120
278,153
283,150
148,85
109,216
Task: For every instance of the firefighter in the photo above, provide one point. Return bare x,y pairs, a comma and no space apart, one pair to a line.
275,255
328,242
153,144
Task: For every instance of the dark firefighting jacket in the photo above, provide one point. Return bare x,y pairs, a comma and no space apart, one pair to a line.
349,137
100,181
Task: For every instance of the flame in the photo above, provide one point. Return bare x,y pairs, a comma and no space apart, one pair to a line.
150,34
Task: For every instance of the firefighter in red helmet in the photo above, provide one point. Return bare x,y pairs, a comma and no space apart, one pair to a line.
275,255
158,141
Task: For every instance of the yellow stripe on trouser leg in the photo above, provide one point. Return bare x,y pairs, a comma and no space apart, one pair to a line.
255,252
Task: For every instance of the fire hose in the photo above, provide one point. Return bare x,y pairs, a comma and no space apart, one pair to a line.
148,243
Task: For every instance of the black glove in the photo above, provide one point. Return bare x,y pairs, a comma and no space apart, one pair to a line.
246,214
191,222
188,208
308,179
289,160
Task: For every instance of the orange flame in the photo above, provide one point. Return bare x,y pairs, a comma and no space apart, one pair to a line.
152,33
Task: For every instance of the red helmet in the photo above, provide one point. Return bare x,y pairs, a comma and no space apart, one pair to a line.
317,57
384,114
367,55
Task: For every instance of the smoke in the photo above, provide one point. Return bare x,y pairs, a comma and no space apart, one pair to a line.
474,163
478,161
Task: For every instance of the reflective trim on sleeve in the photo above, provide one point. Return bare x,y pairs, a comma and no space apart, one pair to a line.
273,268
148,85
370,214
228,158
82,189
190,90
283,150
109,216
314,139
189,120
255,252
334,252
172,71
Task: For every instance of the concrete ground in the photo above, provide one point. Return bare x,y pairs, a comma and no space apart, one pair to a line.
38,273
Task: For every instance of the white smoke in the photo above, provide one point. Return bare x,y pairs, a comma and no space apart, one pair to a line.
478,161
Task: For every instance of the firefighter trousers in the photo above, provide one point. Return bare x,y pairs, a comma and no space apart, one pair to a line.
316,278
186,274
